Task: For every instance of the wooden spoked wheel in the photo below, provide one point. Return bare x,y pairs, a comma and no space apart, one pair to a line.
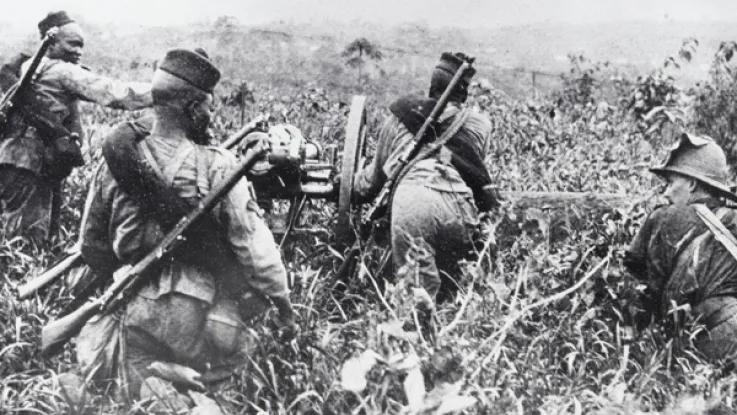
353,148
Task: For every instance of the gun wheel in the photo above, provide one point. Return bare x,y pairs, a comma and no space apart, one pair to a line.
353,148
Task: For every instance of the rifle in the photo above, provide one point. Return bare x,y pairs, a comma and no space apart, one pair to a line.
381,203
57,270
420,139
64,265
55,334
8,106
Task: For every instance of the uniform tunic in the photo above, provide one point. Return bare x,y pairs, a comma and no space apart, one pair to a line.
165,320
29,201
677,257
433,215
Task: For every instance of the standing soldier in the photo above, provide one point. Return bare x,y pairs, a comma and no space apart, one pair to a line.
435,209
33,162
189,315
685,250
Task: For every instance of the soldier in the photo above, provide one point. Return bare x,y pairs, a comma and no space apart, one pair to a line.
435,209
676,254
189,316
35,152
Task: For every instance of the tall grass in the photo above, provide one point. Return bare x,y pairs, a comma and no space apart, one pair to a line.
540,324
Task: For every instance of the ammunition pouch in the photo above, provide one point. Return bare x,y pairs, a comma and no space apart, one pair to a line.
62,148
223,327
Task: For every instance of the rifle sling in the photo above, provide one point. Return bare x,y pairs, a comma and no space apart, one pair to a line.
715,225
426,152
412,111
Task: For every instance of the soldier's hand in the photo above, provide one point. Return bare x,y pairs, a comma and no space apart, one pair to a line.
256,141
177,373
260,123
285,329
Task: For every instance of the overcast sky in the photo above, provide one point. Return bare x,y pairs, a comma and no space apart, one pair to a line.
476,13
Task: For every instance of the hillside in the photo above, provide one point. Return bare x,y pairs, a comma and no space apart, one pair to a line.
287,52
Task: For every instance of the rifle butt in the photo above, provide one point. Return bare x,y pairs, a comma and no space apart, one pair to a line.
26,290
57,333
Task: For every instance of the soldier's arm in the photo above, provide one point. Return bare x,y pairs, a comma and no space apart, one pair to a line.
251,240
371,179
102,90
640,251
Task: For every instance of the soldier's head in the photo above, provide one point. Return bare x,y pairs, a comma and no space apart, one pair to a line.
696,168
443,74
182,89
68,43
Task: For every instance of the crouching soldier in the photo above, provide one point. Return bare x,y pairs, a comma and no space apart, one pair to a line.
189,316
682,251
434,212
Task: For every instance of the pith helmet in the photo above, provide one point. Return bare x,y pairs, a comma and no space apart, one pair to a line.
700,158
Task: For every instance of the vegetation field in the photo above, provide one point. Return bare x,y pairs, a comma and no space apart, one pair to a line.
544,322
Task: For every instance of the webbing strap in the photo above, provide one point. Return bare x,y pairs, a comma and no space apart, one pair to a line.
456,125
715,225
149,155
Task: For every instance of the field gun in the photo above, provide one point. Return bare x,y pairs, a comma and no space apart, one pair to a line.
311,173
307,171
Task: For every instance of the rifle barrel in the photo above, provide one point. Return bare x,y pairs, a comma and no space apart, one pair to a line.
37,57
26,290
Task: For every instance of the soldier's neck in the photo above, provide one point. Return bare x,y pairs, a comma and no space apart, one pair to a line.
168,126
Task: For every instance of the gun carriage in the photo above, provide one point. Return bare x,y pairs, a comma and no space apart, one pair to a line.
310,172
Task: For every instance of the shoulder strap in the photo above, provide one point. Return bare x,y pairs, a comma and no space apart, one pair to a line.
149,156
715,225
457,123
434,146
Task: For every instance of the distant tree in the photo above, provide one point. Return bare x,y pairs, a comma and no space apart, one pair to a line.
358,52
226,23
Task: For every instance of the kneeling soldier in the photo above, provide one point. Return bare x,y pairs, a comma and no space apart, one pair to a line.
189,315
435,210
677,252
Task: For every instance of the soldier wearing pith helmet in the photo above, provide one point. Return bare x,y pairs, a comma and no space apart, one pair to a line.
678,252
191,315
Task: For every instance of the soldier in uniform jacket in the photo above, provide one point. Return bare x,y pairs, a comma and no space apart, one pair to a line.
436,207
189,316
678,257
32,169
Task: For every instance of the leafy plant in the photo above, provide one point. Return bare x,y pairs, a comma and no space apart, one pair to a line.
359,52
